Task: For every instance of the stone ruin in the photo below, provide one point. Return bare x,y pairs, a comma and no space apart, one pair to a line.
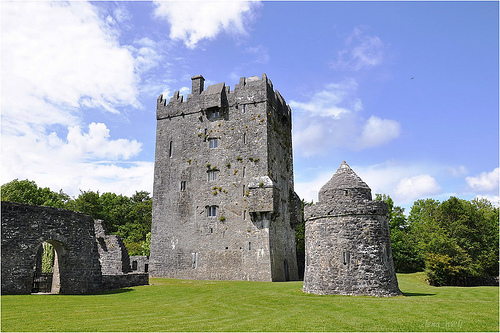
348,249
87,260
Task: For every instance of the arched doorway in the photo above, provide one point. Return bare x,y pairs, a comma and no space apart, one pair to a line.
47,274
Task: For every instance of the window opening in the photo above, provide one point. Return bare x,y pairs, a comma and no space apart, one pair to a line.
346,257
213,114
244,171
211,211
134,265
249,246
183,185
212,175
244,138
194,259
213,143
171,149
146,268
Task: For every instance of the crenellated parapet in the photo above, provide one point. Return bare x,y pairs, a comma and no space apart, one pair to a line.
251,90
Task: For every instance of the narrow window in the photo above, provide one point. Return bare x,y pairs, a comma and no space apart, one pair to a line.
183,185
244,192
346,257
211,211
243,108
171,149
134,265
213,143
244,215
211,230
244,170
346,193
249,245
146,268
206,135
244,138
194,259
212,175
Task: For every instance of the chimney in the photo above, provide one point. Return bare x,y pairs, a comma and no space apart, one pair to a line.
198,84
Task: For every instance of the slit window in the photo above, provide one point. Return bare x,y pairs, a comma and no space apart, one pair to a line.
212,175
194,259
244,138
183,185
211,211
346,257
213,143
171,149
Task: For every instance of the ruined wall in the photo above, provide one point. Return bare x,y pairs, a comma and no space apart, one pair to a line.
139,264
87,259
223,184
113,254
25,227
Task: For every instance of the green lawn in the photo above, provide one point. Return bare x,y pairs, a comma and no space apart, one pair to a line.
182,305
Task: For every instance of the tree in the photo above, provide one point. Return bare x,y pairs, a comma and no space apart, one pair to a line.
405,253
458,238
26,191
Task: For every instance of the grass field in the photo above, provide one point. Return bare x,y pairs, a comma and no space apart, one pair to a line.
182,305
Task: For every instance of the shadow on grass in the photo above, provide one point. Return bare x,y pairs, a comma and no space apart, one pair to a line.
416,294
116,291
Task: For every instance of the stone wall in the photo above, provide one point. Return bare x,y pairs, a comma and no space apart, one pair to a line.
87,259
25,227
223,185
113,254
139,264
124,280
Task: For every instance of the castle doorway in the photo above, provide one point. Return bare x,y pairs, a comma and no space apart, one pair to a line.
47,274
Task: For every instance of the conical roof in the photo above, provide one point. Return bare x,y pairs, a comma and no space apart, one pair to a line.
345,183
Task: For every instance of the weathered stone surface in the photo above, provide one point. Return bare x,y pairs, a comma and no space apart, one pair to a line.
139,264
25,227
113,254
87,259
348,248
223,201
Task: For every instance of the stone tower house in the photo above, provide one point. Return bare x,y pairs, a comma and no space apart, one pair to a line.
224,205
348,248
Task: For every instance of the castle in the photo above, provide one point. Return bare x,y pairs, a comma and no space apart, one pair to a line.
348,248
224,205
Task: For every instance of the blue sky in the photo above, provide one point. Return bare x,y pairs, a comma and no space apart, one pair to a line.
405,92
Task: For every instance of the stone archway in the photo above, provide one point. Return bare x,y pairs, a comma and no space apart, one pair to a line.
26,227
47,274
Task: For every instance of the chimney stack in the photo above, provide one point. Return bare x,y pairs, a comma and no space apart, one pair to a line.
198,84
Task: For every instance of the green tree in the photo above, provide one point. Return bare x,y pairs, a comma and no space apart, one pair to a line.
405,252
458,237
27,191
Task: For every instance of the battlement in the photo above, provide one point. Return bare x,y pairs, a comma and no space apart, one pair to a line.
249,90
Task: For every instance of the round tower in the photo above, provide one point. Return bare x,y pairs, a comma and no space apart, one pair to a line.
348,249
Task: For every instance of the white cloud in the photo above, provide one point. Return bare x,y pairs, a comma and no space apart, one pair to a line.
193,21
411,188
377,132
360,51
331,118
485,181
333,101
59,58
64,56
84,160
